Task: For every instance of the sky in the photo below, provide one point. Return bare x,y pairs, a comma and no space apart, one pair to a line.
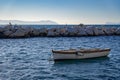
62,11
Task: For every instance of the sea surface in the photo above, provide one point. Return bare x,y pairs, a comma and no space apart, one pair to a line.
31,59
61,26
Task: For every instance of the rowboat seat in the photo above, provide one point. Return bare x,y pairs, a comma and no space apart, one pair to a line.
65,51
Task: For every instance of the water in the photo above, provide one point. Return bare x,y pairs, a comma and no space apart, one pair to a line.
61,26
29,59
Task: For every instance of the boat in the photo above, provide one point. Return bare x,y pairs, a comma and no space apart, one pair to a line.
79,54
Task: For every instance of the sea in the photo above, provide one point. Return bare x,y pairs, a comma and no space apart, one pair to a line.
31,59
62,26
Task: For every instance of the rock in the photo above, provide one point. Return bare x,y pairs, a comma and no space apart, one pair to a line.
51,33
61,31
7,30
43,31
36,32
1,29
19,33
81,25
82,32
72,31
7,33
90,31
29,31
95,31
99,31
2,35
57,34
113,29
109,31
15,31
8,27
117,32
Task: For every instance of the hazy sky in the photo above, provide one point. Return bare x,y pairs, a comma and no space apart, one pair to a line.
61,11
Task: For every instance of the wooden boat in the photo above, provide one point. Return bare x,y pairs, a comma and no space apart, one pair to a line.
79,54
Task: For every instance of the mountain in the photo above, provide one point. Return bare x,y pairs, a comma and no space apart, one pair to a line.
113,23
42,22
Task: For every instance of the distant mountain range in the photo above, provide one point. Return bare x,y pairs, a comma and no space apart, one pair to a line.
113,23
42,22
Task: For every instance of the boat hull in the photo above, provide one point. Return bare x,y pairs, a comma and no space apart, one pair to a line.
59,56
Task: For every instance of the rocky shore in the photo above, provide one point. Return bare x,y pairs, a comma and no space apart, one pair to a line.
16,31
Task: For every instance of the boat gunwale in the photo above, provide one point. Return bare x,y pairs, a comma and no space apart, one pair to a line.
81,51
94,51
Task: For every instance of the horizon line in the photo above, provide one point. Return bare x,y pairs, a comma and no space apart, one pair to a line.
31,22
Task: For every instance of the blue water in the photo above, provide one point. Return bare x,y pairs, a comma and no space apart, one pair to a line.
61,26
29,59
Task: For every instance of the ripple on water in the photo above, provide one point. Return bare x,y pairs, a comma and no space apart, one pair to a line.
28,59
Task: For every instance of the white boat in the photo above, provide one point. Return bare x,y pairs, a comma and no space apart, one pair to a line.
79,54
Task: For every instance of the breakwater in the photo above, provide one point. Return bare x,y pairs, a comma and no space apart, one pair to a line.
16,31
